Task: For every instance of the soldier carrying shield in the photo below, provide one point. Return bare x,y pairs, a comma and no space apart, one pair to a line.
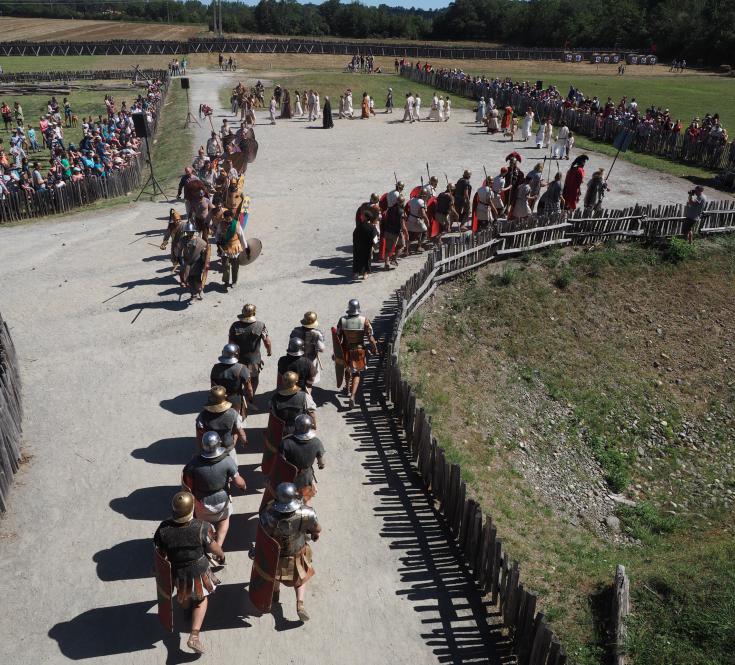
182,544
353,332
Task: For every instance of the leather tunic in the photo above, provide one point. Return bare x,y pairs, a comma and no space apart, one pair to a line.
248,337
184,544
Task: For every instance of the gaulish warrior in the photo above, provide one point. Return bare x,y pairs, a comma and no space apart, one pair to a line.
290,401
230,243
185,542
208,476
174,233
248,333
195,258
355,332
313,339
303,448
234,377
288,521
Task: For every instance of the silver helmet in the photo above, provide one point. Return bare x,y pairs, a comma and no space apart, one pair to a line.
189,228
295,347
212,445
288,498
304,427
353,307
230,352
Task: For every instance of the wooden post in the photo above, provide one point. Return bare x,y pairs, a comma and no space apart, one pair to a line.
620,611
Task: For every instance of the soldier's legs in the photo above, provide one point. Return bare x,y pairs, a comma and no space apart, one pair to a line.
221,529
235,270
300,609
225,271
197,619
353,388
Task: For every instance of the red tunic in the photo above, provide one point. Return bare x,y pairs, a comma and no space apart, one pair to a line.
573,187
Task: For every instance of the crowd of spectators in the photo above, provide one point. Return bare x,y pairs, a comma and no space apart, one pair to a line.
108,145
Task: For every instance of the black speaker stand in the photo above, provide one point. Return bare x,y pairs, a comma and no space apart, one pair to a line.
190,118
155,185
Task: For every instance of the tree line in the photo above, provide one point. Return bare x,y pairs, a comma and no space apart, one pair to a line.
702,31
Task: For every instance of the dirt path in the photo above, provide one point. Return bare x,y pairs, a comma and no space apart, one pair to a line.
115,366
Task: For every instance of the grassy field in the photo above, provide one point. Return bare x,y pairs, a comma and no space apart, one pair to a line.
582,373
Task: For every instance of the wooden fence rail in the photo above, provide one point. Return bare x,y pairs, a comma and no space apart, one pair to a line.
492,567
11,414
706,153
84,75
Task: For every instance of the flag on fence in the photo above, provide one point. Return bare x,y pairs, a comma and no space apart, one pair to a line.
623,140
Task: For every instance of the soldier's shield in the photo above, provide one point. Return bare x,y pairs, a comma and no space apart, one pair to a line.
416,191
263,573
475,223
250,149
238,161
283,472
339,357
383,205
434,229
255,247
164,590
383,202
273,436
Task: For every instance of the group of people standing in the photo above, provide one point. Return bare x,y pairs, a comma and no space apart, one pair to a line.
440,109
189,546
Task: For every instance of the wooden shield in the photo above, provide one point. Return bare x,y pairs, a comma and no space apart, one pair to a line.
416,191
272,439
263,573
256,247
250,149
164,590
383,202
475,221
339,357
283,472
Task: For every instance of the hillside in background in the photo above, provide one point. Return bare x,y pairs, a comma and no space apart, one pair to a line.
698,30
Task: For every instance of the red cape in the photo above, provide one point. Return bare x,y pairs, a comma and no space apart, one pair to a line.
573,187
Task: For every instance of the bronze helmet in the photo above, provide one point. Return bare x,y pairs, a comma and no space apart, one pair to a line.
289,380
248,312
182,506
310,320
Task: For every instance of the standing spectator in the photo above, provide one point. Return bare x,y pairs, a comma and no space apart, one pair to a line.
696,203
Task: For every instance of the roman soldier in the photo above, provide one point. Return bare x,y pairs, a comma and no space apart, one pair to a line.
248,333
219,416
302,448
195,259
296,361
513,179
484,211
573,182
313,339
355,331
288,521
174,233
185,542
234,377
392,197
596,189
290,401
462,192
230,243
208,476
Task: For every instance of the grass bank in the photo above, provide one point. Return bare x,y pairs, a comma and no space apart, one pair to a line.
589,397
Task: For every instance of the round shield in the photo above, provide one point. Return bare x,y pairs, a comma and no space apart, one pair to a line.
251,150
255,247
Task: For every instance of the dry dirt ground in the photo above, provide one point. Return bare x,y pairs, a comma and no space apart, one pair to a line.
56,30
115,366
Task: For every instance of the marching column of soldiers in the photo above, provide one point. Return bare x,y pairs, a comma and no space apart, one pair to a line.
189,546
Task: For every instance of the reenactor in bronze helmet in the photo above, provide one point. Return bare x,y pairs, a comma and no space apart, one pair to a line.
355,332
248,333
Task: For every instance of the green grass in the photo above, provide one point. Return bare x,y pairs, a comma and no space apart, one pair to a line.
174,145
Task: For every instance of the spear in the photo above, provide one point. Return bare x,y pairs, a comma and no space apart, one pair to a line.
395,177
428,173
487,180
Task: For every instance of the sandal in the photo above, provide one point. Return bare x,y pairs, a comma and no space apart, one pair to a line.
194,643
301,611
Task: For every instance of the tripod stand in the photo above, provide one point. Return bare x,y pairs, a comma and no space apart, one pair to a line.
155,185
190,119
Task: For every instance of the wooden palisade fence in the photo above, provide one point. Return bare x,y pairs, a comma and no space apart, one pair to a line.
21,205
82,75
11,414
492,567
662,144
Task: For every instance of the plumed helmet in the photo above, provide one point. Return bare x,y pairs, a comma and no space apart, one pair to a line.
353,307
295,347
211,445
182,507
287,498
189,228
310,320
230,352
289,380
304,427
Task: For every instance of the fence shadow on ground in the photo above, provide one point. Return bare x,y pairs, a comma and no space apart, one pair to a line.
434,576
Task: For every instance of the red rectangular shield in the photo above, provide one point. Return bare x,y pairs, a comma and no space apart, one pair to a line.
282,472
263,573
164,590
273,436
